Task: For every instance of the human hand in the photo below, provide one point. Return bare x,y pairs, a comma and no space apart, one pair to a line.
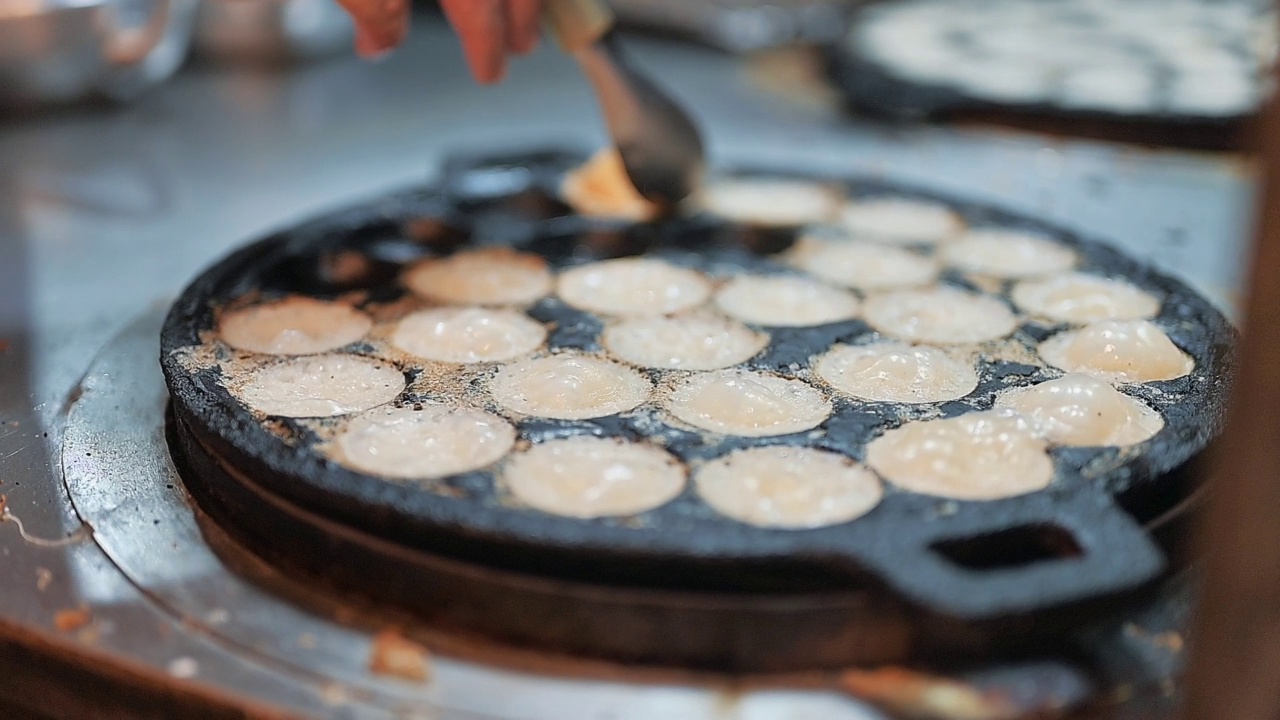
490,29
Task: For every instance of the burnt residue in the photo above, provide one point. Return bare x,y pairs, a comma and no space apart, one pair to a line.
1098,492
793,348
571,329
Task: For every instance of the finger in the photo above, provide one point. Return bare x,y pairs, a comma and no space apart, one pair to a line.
373,42
403,14
380,24
368,15
481,26
523,18
367,44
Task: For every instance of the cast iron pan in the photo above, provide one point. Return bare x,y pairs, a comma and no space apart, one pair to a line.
979,565
805,628
871,88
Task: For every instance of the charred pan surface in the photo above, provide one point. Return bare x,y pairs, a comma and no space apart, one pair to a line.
939,558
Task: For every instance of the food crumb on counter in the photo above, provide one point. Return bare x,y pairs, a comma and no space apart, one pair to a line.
1168,640
917,695
396,656
72,619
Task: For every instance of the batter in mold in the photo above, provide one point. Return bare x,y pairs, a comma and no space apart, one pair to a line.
940,315
978,456
785,301
1081,410
788,487
569,386
295,325
747,403
1082,298
692,341
862,265
588,477
1118,351
1005,253
896,372
487,276
422,442
771,202
468,334
320,386
633,286
899,220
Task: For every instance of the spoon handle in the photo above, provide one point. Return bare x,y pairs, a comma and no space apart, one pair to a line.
577,23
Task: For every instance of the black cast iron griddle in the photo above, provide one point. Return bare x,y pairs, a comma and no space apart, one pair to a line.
949,575
870,86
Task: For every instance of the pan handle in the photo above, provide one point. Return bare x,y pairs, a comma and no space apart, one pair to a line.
1050,550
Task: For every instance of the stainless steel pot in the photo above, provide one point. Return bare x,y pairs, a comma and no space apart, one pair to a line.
55,51
271,30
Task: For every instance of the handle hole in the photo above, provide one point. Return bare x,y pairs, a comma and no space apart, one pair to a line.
1011,548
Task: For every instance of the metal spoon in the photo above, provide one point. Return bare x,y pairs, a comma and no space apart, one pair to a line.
660,146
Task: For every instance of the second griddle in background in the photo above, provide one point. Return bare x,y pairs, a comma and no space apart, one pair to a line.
1189,73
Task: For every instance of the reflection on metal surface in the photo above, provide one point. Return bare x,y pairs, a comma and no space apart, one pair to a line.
134,191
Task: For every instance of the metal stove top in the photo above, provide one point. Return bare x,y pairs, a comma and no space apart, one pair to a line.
105,215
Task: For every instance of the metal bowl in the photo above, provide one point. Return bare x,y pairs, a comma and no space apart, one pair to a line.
271,30
57,51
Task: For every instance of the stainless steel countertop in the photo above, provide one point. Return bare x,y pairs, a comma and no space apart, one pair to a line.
105,215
